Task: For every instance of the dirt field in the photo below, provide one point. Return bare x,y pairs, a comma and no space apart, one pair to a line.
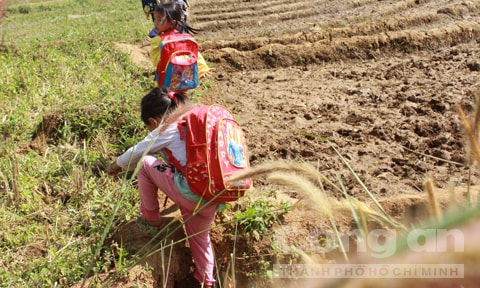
381,80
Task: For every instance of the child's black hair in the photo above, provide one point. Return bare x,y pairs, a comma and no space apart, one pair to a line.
173,11
159,103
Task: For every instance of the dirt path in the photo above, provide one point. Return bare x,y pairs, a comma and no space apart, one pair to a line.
380,80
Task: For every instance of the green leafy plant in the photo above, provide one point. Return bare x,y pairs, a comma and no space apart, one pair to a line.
259,216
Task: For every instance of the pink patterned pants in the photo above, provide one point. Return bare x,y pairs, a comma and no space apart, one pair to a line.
152,179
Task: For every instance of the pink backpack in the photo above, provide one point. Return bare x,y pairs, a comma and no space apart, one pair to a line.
216,151
178,68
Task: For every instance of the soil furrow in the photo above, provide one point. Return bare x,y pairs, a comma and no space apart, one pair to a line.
259,18
317,34
253,12
358,47
232,7
323,15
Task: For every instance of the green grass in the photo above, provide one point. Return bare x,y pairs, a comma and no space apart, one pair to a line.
58,58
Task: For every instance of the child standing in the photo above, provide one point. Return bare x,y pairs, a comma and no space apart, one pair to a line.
149,6
159,111
169,19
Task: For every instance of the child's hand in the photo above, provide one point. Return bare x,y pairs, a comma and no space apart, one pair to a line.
113,169
208,74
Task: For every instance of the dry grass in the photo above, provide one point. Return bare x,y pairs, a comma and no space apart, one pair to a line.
433,200
309,183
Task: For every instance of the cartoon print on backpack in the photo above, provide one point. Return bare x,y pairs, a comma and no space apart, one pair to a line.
181,72
235,143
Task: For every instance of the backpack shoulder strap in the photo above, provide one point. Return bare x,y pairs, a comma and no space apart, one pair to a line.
191,120
173,161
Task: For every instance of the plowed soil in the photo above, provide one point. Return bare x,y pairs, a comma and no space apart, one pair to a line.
382,81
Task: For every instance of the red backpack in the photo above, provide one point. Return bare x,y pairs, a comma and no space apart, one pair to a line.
178,68
216,151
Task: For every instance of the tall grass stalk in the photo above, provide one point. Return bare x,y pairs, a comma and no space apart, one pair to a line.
308,182
361,223
322,203
471,134
312,175
166,266
232,266
232,256
435,209
15,181
360,182
226,279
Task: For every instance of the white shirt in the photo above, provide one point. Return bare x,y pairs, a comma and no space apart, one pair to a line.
152,144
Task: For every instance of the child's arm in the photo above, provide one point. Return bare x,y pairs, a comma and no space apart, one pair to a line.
155,50
203,69
151,144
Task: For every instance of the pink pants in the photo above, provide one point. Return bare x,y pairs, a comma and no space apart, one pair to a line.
150,180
